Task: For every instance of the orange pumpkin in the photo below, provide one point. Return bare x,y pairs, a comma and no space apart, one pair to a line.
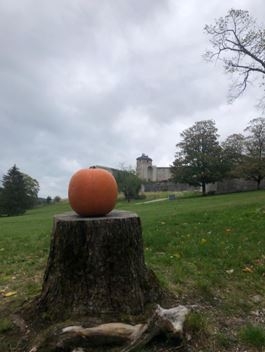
92,192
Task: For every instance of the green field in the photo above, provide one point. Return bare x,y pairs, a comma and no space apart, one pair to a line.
210,251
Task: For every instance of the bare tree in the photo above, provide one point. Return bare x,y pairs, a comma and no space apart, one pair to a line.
240,44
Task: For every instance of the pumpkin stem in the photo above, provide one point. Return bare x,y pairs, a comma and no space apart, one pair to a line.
92,167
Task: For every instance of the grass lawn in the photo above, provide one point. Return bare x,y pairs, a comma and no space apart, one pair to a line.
210,251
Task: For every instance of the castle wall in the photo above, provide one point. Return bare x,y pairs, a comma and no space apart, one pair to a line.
233,185
167,186
163,174
148,172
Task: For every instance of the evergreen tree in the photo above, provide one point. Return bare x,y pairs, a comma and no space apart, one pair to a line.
18,193
1,200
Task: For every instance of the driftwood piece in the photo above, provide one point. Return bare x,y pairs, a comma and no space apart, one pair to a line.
164,321
102,261
130,337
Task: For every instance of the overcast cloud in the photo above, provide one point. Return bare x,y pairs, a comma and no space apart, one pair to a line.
99,82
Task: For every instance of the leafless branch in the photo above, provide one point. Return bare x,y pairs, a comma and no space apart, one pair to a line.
240,46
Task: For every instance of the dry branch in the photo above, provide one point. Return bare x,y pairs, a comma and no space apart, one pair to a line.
130,337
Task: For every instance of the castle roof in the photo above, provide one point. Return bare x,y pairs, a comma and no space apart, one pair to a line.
144,157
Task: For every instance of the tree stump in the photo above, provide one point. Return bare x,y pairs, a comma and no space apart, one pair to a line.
96,266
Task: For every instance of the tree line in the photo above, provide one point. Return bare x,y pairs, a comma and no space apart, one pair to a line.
201,159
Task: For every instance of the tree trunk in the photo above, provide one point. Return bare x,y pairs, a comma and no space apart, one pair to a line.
258,183
203,188
96,266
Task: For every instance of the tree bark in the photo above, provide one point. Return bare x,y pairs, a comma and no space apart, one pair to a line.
258,183
203,188
96,266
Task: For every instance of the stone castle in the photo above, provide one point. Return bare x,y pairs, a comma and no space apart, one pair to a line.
145,170
156,178
151,173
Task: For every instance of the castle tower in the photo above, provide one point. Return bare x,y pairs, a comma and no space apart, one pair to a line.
144,169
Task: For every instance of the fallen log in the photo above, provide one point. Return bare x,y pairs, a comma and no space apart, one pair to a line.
130,337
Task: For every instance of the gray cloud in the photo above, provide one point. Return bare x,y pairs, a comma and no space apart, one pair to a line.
86,82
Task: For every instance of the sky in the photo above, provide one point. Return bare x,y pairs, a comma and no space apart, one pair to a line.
87,83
